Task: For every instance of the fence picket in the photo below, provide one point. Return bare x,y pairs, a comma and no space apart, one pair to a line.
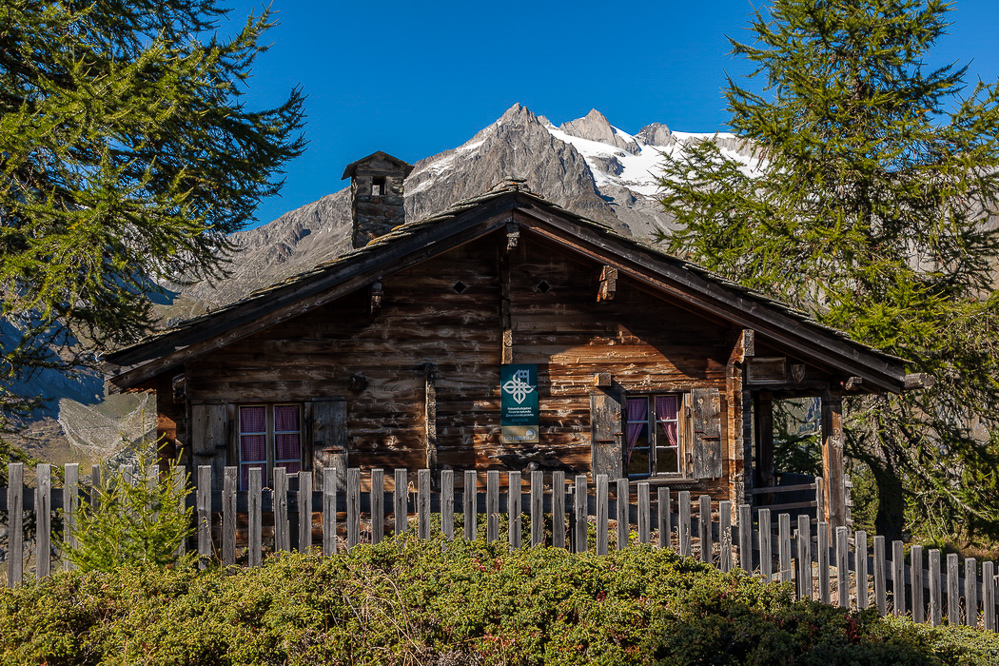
353,507
683,524
970,592
804,557
329,510
936,589
579,514
823,562
558,509
254,517
492,505
70,505
880,584
916,580
725,535
863,585
644,513
988,596
15,523
602,501
304,512
513,508
447,503
43,520
204,502
537,508
229,516
400,505
784,547
376,504
469,498
766,552
898,578
746,537
179,476
622,497
663,513
953,590
843,567
704,528
279,501
423,503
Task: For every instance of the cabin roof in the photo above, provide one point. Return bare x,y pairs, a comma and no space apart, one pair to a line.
510,202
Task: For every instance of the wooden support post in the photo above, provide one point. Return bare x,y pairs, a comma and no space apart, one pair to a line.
329,510
353,507
602,527
580,515
376,501
832,459
447,503
469,497
765,470
804,557
423,503
43,520
663,508
860,555
204,501
843,567
936,588
492,505
621,499
430,414
683,524
558,509
513,509
229,478
537,508
70,505
400,503
254,519
506,318
644,513
916,578
898,577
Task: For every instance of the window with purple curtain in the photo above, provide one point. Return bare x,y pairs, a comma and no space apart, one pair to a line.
283,425
636,421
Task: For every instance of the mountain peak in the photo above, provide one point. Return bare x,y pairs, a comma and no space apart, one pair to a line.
595,127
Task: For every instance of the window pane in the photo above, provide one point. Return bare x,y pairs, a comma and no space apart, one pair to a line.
638,462
288,447
253,448
286,418
667,461
666,434
252,419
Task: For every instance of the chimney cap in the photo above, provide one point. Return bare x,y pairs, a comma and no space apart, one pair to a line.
378,161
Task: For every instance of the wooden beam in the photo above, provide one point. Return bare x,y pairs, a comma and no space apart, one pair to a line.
853,383
608,284
832,459
764,409
430,383
376,298
918,380
506,320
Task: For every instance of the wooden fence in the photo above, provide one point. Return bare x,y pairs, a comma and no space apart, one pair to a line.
833,567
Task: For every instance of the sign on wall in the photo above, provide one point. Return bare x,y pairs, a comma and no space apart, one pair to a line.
519,404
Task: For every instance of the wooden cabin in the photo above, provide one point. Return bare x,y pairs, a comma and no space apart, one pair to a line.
503,333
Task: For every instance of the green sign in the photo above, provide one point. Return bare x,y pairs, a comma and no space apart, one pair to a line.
519,404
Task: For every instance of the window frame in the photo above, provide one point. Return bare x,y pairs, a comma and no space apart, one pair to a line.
270,442
651,421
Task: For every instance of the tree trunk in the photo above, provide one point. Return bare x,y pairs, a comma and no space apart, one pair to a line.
890,517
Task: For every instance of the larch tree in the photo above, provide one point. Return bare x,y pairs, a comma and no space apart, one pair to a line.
871,205
127,156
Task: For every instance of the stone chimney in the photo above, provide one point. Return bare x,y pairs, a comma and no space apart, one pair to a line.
376,195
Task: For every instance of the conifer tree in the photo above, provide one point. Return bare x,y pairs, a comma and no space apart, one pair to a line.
127,156
869,206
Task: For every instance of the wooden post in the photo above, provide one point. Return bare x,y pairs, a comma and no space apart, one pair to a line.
683,524
506,319
804,557
704,528
880,582
430,414
304,512
329,510
513,508
15,523
823,562
953,590
989,595
764,409
43,520
70,505
423,503
766,548
663,508
353,507
898,577
970,592
229,478
469,498
916,577
179,477
936,588
602,527
279,501
204,498
843,567
558,509
376,502
832,459
863,586
725,535
644,513
746,537
254,516
784,547
621,500
580,513
400,505
537,508
447,503
492,505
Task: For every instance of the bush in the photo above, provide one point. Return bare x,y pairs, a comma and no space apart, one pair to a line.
411,602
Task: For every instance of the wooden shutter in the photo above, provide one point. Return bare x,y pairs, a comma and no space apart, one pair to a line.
706,425
211,435
329,438
606,434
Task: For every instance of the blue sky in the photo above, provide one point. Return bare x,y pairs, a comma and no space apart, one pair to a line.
416,78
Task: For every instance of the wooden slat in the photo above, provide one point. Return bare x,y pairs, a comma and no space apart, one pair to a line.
766,552
880,583
255,517
229,477
725,535
423,503
989,595
843,567
602,500
622,498
279,502
558,509
936,588
804,543
537,508
70,506
492,505
953,590
376,504
400,508
745,519
579,514
644,513
470,502
43,520
860,555
447,503
823,562
916,579
663,510
305,512
704,528
15,523
204,501
898,578
329,510
353,491
970,592
514,509
179,476
784,564
683,524
773,490
96,485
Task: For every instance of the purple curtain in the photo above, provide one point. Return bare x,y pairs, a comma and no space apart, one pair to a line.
638,411
667,408
252,419
286,418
